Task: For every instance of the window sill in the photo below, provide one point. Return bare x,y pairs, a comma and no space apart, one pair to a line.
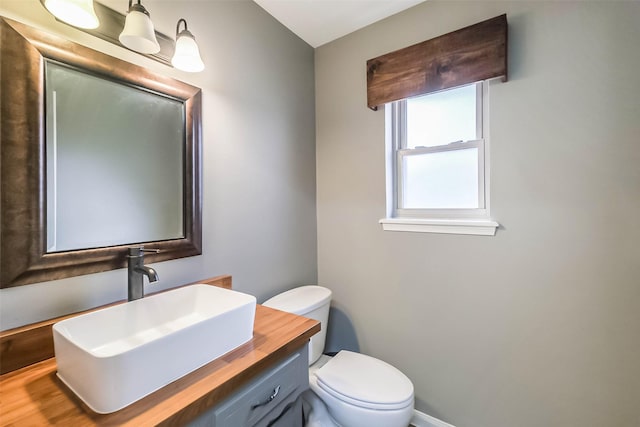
478,227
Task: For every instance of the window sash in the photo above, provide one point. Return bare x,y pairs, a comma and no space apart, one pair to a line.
461,212
401,118
399,141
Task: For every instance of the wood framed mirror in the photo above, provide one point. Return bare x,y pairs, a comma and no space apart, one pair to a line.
41,74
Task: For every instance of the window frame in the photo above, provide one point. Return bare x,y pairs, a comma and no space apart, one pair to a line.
452,220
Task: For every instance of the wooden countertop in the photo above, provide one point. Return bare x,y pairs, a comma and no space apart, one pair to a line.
34,396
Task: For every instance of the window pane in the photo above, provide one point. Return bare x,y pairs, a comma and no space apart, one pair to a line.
441,180
441,118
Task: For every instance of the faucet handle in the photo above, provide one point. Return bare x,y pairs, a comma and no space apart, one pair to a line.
140,250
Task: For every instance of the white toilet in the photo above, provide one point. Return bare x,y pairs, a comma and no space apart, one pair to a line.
357,390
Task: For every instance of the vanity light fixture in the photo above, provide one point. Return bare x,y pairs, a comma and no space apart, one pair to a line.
138,33
79,13
187,55
135,31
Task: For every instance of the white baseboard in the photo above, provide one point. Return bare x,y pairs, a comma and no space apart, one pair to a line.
420,419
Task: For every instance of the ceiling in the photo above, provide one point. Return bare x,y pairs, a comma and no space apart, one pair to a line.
320,21
315,21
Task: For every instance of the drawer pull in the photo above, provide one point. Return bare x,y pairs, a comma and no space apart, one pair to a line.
268,399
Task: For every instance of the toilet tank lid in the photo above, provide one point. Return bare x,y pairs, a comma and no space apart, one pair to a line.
300,300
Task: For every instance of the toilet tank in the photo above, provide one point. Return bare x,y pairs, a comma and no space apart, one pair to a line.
308,301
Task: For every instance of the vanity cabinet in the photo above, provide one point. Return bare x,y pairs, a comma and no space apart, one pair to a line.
271,400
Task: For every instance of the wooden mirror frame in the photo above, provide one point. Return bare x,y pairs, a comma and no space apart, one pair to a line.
23,256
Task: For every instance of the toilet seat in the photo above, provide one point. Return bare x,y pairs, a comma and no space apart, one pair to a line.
365,382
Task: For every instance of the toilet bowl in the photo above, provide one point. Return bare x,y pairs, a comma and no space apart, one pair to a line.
356,390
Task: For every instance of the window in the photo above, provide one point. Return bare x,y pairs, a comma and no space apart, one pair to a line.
437,164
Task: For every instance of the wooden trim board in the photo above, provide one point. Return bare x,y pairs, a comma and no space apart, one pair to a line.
474,53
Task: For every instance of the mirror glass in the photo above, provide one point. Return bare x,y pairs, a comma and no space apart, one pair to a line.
114,161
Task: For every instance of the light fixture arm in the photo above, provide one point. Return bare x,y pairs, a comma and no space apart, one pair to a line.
185,31
178,25
137,8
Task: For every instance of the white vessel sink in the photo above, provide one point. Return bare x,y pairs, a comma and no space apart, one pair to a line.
112,357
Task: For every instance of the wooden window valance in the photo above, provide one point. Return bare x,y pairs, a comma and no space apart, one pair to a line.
468,55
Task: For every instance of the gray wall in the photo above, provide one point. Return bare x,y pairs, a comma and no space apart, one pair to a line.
258,157
539,325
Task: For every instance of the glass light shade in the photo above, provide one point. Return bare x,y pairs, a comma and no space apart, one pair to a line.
138,33
79,13
187,54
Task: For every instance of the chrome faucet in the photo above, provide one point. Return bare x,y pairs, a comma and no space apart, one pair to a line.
137,270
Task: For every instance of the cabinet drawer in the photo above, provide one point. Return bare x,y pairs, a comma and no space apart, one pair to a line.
282,383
